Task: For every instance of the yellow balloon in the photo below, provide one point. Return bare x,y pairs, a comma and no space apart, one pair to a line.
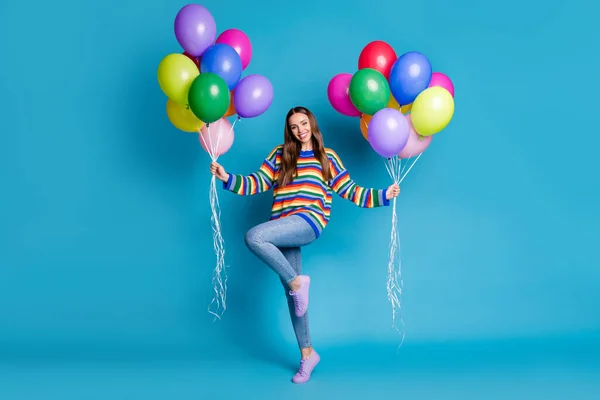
432,110
176,72
405,109
182,117
393,103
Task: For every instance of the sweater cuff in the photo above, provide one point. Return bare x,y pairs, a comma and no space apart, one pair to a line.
384,201
230,182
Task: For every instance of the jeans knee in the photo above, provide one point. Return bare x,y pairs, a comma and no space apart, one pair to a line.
252,238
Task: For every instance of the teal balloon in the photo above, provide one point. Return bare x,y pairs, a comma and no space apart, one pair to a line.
369,91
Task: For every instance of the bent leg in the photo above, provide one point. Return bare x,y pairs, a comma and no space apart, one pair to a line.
266,239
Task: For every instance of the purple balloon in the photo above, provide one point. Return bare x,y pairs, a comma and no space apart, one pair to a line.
195,29
388,132
252,96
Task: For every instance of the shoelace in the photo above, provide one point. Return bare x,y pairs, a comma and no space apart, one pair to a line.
295,297
301,370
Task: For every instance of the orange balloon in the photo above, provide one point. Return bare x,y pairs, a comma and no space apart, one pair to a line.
231,110
364,125
366,118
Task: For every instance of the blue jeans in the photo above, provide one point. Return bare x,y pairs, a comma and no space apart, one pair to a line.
277,243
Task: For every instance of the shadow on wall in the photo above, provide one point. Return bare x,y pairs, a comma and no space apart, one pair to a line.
253,329
152,142
150,152
155,150
247,326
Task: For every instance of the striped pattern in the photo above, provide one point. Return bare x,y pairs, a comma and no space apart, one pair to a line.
308,195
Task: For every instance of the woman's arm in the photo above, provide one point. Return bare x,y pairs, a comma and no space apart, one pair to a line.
257,182
346,188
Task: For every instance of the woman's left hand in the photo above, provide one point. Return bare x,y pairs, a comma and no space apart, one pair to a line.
392,191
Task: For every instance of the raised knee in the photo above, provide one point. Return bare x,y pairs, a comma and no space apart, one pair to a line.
252,237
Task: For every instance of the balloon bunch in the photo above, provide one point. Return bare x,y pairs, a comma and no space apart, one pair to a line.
204,86
383,92
401,103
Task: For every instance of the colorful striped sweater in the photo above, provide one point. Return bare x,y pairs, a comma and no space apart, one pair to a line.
308,195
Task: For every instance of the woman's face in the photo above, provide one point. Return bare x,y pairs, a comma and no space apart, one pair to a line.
300,127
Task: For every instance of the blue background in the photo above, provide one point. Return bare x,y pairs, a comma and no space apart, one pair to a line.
105,247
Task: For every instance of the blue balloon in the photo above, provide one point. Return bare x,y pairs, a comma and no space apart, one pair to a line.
409,76
223,60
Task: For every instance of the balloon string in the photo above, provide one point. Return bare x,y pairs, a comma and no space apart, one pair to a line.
411,165
219,276
219,279
405,164
394,281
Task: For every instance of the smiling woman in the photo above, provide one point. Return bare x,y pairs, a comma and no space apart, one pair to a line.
298,136
106,255
302,173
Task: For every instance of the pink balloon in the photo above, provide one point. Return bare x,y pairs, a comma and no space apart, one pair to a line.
217,136
415,145
240,42
339,96
439,79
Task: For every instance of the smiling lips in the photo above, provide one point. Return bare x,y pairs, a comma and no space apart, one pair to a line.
303,135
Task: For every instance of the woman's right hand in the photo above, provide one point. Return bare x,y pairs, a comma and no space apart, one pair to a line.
217,170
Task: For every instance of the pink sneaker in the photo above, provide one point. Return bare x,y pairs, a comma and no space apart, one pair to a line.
300,296
306,368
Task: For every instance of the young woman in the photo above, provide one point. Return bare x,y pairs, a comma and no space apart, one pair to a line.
302,173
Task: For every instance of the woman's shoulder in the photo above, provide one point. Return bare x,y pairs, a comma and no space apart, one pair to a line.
277,150
274,155
331,153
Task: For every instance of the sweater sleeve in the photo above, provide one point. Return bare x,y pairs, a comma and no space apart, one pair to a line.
259,181
346,188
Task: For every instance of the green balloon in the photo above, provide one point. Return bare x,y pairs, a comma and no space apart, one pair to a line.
369,91
209,97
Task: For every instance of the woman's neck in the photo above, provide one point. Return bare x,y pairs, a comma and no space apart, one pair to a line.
306,146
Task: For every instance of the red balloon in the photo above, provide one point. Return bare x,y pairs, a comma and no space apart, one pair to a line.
378,55
194,59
